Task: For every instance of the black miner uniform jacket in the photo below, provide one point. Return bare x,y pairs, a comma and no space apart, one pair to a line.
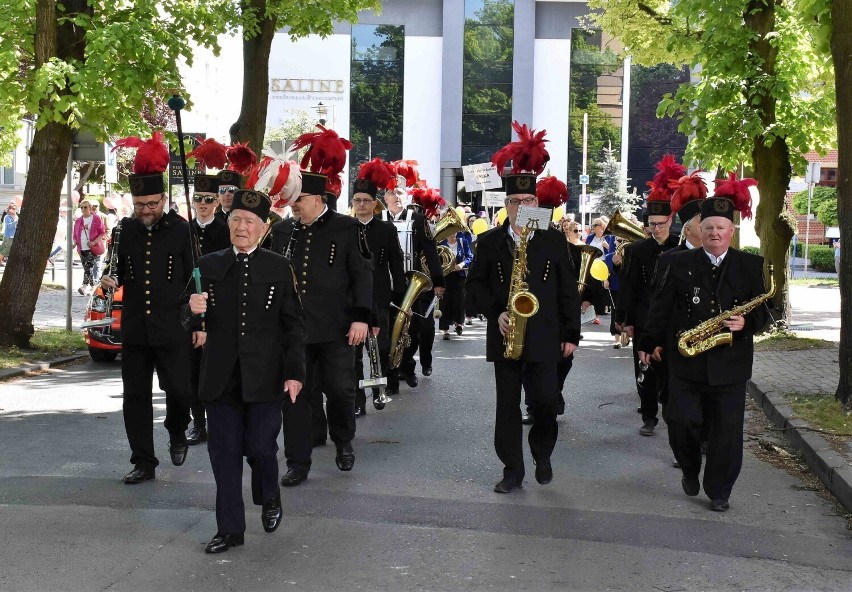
254,316
332,264
154,267
388,274
423,243
215,236
551,278
691,292
640,275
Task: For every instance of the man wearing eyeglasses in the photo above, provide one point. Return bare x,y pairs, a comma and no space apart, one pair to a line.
211,234
642,262
229,182
553,332
154,267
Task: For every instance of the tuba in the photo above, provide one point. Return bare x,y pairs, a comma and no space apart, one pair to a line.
449,224
624,229
588,254
417,284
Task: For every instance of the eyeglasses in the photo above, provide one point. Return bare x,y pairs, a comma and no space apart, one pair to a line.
576,232
224,190
527,201
362,201
657,224
208,199
81,207
596,225
151,205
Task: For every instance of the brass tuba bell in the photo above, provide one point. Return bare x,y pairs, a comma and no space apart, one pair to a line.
588,253
624,229
449,224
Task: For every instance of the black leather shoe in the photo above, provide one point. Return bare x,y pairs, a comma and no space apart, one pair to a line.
427,371
392,391
139,475
459,329
527,418
271,514
691,487
178,452
411,380
293,477
507,485
345,458
543,472
719,505
196,435
222,542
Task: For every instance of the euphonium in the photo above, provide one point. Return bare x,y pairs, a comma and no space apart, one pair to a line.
588,253
417,284
446,257
522,303
449,224
624,229
712,333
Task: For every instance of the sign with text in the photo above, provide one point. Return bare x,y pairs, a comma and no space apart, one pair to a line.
175,168
479,177
494,199
110,165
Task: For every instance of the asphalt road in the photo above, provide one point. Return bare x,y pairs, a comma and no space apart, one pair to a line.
417,512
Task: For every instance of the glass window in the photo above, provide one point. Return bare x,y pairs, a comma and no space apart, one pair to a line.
7,174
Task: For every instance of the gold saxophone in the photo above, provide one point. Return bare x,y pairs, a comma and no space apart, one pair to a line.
522,303
417,284
712,332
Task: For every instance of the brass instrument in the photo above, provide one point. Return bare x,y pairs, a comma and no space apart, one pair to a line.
449,224
624,229
417,284
712,332
588,253
522,303
376,380
447,258
109,293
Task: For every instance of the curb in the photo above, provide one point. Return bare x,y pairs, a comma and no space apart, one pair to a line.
25,369
831,468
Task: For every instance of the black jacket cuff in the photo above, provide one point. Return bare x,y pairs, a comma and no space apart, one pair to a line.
361,315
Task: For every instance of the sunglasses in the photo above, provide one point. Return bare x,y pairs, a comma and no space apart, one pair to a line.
224,190
208,199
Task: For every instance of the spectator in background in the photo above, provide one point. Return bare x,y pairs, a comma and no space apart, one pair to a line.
453,301
59,237
837,256
90,239
10,224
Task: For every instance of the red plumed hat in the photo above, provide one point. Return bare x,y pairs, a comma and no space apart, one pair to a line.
689,192
326,151
277,177
551,192
736,190
669,170
149,164
406,169
241,158
334,185
374,175
427,198
527,153
210,153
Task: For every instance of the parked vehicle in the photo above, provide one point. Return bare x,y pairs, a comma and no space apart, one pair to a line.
104,341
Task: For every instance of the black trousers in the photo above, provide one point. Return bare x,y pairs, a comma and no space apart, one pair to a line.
138,363
196,405
508,430
383,339
691,405
330,369
452,304
654,388
563,367
422,333
237,430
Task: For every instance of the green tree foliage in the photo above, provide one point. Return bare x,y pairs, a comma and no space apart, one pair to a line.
823,204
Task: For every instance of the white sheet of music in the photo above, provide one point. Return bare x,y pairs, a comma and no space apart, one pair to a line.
541,215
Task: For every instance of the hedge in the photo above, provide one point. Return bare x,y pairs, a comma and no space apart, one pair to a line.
822,257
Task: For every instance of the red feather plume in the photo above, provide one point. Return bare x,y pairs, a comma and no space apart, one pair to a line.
737,191
407,169
427,198
551,192
378,172
669,170
527,153
686,189
210,153
326,151
241,158
334,185
658,193
152,156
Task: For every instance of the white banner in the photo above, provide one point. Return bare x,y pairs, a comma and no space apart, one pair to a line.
493,199
479,177
110,165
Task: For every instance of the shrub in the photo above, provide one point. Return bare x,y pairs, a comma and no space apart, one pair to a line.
752,250
822,258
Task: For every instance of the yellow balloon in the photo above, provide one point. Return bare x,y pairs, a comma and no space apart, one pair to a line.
479,226
558,213
501,215
460,211
599,270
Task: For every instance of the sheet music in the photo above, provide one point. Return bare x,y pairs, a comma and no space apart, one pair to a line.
541,215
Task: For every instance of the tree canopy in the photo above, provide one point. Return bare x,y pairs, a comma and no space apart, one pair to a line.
823,204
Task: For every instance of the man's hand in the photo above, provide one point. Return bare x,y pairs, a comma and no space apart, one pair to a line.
655,356
198,303
644,358
439,292
107,281
503,322
357,333
568,349
292,387
629,330
199,338
585,305
375,331
735,323
616,259
458,267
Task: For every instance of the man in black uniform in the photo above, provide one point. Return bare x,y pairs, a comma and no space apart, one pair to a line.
229,182
154,266
254,347
211,234
334,280
642,261
697,285
551,333
388,278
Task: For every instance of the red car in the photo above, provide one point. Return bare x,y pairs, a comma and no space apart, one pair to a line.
104,340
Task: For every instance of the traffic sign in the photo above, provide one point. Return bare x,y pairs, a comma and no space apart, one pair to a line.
584,179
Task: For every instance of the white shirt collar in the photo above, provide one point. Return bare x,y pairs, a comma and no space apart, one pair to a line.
688,244
205,224
717,261
252,250
517,237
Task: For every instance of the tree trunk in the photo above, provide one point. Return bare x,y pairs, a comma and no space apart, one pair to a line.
48,161
841,51
251,124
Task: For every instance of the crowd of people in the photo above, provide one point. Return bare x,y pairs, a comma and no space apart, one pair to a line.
270,332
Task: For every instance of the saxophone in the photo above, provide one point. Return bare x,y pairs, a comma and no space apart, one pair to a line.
712,332
522,303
